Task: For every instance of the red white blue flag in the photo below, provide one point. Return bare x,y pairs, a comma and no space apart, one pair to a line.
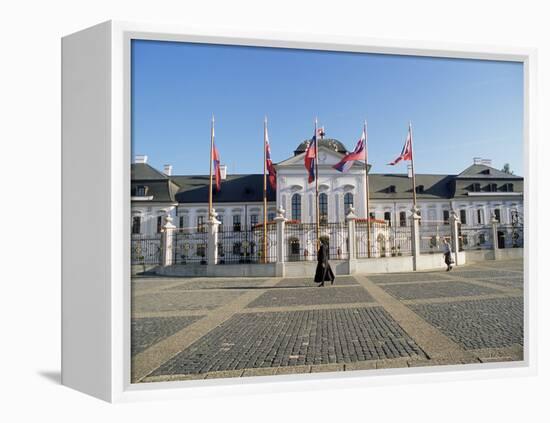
309,159
406,153
272,173
216,160
358,154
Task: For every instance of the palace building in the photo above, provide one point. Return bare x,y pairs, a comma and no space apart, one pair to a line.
477,194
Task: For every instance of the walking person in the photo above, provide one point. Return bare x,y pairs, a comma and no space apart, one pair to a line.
323,272
447,254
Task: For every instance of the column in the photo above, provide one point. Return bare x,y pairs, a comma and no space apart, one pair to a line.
494,224
280,221
415,237
167,238
352,241
455,237
212,241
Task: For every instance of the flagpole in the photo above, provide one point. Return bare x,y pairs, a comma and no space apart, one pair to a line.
412,168
211,158
265,191
316,185
367,188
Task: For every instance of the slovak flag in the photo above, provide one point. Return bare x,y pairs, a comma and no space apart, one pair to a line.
358,154
309,159
272,173
406,153
216,159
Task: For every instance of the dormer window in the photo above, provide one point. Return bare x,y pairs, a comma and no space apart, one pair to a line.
141,191
485,172
508,188
391,189
420,189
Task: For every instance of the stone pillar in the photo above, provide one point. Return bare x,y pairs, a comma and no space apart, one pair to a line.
212,240
167,239
415,237
352,241
455,241
494,224
280,221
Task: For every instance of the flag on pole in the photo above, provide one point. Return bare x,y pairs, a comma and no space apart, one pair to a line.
406,153
272,173
216,159
309,159
358,154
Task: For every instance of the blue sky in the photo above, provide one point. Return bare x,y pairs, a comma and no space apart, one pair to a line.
459,109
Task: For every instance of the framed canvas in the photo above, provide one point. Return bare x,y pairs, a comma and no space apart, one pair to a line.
261,212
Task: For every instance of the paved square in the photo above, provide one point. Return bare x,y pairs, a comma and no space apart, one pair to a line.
216,283
407,277
189,328
149,331
478,324
309,296
173,301
415,291
308,282
295,338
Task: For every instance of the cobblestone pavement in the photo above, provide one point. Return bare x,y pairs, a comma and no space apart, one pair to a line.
195,328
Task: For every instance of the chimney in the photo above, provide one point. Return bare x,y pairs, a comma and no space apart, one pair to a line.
487,162
140,158
223,172
409,171
167,170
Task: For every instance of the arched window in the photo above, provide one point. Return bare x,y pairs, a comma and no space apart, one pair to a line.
296,207
323,208
348,202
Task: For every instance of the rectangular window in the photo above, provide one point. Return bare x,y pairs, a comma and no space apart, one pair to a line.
402,218
159,224
236,222
201,250
497,215
253,220
136,225
445,217
372,215
200,224
181,222
479,216
463,217
270,217
420,215
387,218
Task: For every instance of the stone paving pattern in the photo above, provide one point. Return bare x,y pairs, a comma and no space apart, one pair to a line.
478,324
149,331
293,339
414,291
221,327
318,295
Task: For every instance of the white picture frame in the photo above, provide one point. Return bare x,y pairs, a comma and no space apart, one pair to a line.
96,189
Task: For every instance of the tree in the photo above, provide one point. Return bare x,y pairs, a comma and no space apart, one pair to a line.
506,169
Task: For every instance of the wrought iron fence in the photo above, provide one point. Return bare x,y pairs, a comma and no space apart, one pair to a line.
189,247
146,249
241,246
474,237
270,253
385,241
510,236
301,241
432,234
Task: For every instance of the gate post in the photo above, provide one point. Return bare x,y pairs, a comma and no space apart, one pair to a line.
494,223
455,244
415,237
352,241
167,238
280,220
212,240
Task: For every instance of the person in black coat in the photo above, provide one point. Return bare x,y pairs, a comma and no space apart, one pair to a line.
323,272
